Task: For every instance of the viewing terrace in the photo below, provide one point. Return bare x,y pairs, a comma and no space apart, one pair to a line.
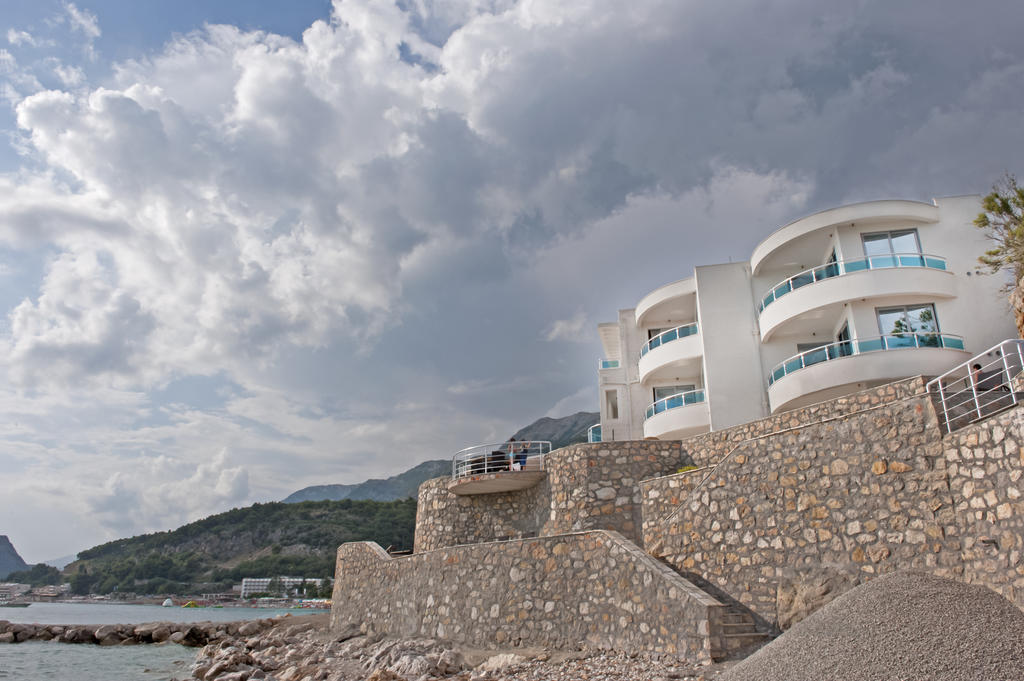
501,467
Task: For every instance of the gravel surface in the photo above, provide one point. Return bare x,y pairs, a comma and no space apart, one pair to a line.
903,626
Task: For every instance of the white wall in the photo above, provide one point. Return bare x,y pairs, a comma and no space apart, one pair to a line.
732,356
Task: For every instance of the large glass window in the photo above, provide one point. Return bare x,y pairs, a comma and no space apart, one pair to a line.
909,325
888,243
667,390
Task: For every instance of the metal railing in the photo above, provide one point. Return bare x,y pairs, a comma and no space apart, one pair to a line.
841,267
859,346
685,399
609,364
979,387
514,455
594,433
668,336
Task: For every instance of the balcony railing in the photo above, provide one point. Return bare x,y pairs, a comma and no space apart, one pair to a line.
858,346
981,386
675,401
527,455
594,433
609,364
841,267
669,336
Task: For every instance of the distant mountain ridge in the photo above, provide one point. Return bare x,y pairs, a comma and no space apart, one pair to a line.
560,432
10,561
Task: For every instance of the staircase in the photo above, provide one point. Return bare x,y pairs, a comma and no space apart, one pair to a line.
737,631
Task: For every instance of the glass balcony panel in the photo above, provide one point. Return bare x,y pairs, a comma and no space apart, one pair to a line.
669,336
880,261
650,412
858,265
935,263
673,402
815,356
902,340
794,364
659,407
928,340
951,342
768,299
801,280
687,330
695,397
782,289
779,372
870,345
654,342
910,260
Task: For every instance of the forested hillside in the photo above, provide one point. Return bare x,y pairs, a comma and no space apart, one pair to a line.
259,541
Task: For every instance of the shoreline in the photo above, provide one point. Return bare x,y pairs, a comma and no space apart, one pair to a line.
191,634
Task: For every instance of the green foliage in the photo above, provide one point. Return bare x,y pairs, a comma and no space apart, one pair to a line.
1002,218
174,562
684,469
39,574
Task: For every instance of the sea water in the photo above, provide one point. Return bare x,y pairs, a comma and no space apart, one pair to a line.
50,661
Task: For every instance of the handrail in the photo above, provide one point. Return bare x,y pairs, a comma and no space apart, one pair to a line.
843,267
683,399
858,346
594,433
985,390
681,331
512,455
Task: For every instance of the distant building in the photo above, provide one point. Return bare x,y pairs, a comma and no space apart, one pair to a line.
833,303
9,590
257,585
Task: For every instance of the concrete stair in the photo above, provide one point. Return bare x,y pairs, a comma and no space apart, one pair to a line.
737,633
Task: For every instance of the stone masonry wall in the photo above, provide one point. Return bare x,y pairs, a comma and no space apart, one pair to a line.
588,486
827,505
591,588
985,466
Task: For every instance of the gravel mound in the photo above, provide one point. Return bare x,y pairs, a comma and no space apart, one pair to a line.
906,626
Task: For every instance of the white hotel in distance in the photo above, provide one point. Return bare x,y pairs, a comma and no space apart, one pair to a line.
833,303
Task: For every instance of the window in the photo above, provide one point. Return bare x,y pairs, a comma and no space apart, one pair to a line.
888,243
612,402
903,323
669,390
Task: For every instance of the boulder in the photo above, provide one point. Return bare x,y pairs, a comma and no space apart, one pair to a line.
496,663
7,637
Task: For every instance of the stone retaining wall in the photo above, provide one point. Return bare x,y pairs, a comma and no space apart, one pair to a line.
789,521
985,467
591,588
588,486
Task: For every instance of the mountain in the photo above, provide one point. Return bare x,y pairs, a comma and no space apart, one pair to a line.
560,432
401,486
258,541
10,561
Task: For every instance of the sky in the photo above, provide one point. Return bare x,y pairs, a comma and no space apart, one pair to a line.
249,247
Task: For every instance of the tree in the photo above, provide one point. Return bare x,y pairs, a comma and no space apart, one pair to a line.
1002,218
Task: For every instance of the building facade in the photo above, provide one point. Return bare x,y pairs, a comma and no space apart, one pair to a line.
836,302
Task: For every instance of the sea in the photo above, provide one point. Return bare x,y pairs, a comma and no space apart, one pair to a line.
49,661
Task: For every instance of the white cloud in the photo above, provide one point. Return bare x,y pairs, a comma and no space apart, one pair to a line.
571,329
371,231
16,37
82,20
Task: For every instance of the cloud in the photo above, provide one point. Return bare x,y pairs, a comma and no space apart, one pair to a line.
82,20
373,233
571,329
16,37
584,399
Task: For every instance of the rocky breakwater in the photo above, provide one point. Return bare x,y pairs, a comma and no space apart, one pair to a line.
187,634
307,651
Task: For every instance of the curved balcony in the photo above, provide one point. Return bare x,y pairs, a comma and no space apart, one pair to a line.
501,467
840,368
594,433
677,300
678,416
670,351
815,290
806,239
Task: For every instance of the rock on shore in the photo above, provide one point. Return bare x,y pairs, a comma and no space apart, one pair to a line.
187,634
305,651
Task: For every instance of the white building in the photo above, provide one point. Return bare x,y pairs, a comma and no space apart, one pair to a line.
833,303
258,585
